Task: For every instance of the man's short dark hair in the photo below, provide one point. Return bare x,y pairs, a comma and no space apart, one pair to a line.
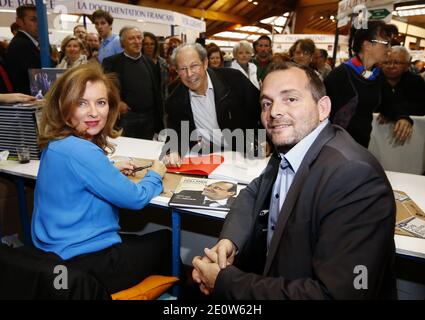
264,37
98,14
14,27
315,84
78,26
306,45
374,28
323,53
21,11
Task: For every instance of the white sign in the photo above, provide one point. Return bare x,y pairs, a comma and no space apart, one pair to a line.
317,38
13,4
345,7
117,10
129,12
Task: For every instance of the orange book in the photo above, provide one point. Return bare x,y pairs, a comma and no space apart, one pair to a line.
201,166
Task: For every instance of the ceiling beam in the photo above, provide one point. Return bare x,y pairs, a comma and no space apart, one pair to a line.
309,3
193,12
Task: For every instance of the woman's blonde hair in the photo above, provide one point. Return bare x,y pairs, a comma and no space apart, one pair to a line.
63,98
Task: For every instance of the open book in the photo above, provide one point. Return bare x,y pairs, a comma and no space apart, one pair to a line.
201,193
239,169
410,219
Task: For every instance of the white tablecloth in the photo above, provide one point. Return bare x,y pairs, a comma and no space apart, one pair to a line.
407,158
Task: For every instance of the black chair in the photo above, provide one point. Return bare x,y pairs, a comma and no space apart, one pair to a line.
28,273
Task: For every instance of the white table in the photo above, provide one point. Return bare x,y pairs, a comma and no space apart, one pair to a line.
407,158
413,185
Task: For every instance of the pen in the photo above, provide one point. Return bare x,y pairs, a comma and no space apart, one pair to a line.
142,167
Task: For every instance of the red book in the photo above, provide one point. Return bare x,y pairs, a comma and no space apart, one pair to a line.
201,166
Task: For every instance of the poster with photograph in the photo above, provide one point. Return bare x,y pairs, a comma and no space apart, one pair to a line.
42,79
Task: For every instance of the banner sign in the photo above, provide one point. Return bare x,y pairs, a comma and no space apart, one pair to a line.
117,10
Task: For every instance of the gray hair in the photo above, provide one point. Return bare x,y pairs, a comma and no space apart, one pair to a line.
202,53
125,29
403,51
243,44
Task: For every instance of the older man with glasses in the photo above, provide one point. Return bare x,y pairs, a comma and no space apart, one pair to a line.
407,88
208,101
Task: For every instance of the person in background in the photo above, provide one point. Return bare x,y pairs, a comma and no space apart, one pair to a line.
320,58
14,27
93,40
150,48
76,217
419,66
322,207
93,44
23,52
215,56
72,51
169,45
280,57
355,87
302,51
407,88
263,56
54,54
110,42
80,32
139,87
242,52
209,101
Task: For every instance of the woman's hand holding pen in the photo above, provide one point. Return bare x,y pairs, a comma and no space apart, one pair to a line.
159,168
126,168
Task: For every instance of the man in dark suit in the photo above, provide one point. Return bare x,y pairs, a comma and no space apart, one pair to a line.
319,222
406,89
220,194
208,101
139,87
23,52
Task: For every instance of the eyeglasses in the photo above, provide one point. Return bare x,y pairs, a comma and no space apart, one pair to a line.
193,68
384,42
393,62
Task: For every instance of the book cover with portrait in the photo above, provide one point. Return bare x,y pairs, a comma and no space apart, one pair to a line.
204,193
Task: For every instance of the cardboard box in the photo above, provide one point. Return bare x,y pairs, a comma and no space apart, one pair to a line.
410,219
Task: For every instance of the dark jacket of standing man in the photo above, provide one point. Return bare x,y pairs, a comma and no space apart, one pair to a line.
209,99
319,222
23,52
406,89
139,87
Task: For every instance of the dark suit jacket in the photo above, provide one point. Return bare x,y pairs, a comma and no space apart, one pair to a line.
339,213
236,102
197,198
409,93
115,64
21,55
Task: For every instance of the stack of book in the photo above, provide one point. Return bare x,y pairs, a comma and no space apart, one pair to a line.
18,127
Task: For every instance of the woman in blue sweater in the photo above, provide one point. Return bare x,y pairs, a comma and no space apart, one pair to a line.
79,191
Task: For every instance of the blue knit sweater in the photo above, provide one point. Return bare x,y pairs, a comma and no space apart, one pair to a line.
77,196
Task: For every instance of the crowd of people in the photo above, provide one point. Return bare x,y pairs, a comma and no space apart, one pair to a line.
322,206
